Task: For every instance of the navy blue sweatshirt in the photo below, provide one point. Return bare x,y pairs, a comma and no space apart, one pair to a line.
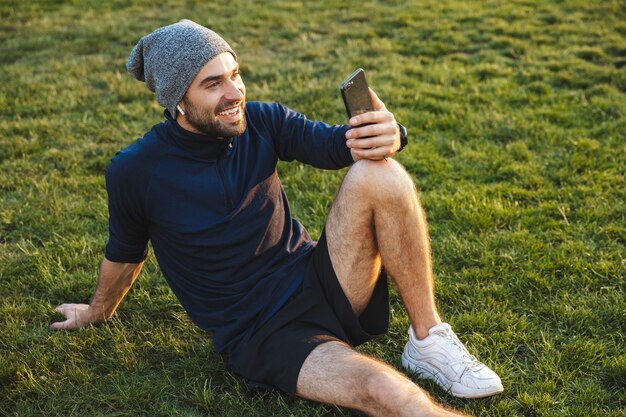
217,216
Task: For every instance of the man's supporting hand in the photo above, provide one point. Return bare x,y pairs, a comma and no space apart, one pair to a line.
114,281
379,139
77,315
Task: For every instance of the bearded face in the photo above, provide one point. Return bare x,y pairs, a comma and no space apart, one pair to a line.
215,102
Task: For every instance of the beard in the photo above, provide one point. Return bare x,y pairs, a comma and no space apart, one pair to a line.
209,124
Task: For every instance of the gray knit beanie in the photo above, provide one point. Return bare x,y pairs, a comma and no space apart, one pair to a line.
169,59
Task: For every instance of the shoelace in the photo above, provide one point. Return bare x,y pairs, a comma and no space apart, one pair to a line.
467,358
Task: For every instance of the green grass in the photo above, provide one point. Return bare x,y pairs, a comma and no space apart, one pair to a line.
517,117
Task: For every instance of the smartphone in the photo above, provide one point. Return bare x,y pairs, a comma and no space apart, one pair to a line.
356,95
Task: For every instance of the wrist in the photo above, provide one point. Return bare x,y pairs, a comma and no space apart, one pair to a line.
95,314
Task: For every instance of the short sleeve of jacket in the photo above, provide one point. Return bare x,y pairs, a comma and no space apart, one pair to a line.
128,223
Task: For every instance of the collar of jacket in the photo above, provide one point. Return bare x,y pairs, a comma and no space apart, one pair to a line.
203,146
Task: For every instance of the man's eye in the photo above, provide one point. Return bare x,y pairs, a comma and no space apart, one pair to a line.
236,75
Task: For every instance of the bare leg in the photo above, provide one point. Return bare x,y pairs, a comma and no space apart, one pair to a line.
375,220
376,217
335,373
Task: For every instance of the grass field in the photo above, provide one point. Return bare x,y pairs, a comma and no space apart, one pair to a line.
517,118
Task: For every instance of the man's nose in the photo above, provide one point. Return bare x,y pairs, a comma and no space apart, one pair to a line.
235,91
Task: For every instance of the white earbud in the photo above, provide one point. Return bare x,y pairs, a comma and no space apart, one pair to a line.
180,110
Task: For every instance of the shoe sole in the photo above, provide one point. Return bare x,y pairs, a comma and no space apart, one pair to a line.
453,388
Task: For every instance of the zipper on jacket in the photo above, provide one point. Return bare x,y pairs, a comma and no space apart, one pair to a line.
229,199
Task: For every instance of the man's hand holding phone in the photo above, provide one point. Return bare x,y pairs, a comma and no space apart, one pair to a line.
374,135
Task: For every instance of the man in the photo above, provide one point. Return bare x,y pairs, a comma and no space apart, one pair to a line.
202,186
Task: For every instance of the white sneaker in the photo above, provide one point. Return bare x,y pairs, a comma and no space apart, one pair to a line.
443,358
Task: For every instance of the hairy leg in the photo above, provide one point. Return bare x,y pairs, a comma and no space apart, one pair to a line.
377,219
337,374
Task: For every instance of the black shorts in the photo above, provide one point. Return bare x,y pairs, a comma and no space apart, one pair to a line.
318,312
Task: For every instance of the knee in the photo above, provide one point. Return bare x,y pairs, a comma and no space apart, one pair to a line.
378,385
387,391
385,180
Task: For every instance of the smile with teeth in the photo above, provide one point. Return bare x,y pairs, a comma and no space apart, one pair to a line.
233,111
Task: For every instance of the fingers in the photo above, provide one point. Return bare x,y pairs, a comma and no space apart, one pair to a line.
374,134
372,142
376,102
372,117
70,306
369,131
61,308
374,154
380,113
71,313
59,325
66,309
375,147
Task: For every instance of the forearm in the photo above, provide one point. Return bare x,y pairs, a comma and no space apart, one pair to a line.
319,145
311,142
114,281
